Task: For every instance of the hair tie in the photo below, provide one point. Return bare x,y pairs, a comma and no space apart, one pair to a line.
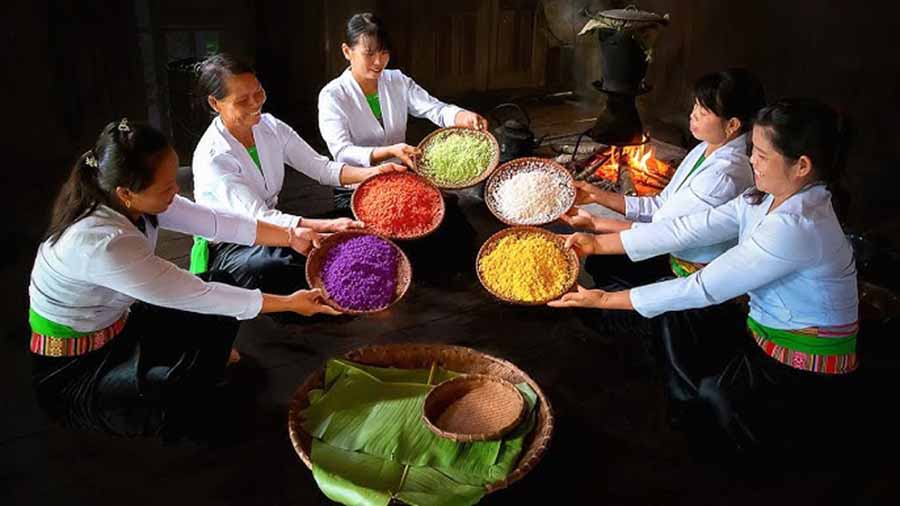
90,160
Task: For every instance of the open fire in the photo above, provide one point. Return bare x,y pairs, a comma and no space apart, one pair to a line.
624,166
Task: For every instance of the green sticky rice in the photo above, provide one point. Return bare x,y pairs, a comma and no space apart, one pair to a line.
452,158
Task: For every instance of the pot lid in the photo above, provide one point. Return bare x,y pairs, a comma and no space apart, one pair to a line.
632,13
630,18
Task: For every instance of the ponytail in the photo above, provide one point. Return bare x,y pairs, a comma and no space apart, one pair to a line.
80,195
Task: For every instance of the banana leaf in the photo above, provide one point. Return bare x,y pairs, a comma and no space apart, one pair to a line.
362,480
367,427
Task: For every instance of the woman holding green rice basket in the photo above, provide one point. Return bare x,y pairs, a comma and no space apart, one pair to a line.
363,116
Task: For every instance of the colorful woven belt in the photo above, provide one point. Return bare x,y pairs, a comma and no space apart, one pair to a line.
683,268
826,350
51,346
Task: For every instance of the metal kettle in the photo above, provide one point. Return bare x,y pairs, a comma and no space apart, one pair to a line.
514,136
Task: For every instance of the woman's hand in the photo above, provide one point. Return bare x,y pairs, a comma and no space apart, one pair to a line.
330,226
583,244
578,218
404,152
309,302
352,175
469,119
585,193
384,168
593,244
582,298
340,225
302,239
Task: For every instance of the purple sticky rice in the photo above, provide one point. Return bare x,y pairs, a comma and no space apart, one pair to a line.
361,273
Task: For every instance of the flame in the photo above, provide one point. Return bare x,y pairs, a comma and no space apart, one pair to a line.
648,174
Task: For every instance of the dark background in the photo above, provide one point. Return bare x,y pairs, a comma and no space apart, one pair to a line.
73,66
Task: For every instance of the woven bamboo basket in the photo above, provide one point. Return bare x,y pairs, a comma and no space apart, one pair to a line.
422,356
438,219
511,168
495,159
316,260
474,407
572,264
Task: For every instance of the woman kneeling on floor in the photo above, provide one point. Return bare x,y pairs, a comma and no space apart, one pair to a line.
123,341
788,387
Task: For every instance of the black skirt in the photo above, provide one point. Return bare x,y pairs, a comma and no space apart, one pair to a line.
734,400
272,269
161,376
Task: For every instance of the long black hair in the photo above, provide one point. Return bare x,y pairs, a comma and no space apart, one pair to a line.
805,126
213,73
122,157
731,93
366,24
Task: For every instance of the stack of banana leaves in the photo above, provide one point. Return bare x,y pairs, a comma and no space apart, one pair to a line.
370,445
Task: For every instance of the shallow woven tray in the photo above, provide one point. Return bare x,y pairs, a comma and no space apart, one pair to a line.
437,221
491,243
474,407
316,260
509,169
495,159
422,356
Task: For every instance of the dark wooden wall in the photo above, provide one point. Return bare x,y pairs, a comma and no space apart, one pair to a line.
69,69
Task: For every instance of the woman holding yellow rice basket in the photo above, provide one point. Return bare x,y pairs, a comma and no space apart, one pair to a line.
797,267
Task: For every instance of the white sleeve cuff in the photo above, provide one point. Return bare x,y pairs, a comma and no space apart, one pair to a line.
448,115
632,208
631,243
641,301
332,176
359,156
254,307
280,219
234,228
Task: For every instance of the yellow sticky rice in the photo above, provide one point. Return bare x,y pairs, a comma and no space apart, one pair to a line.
525,267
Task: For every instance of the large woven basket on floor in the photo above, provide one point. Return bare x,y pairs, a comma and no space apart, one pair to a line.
421,356
495,158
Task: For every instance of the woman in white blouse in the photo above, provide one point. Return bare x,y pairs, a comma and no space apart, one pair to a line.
789,385
714,172
124,341
238,166
363,112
